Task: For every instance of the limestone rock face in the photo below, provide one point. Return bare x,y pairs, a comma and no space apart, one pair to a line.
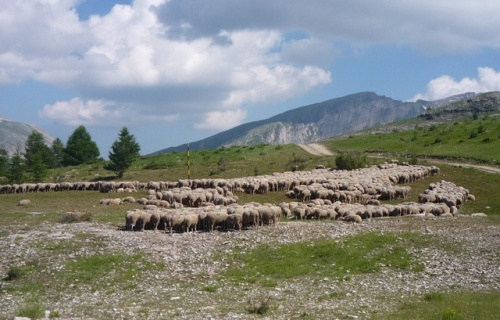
322,121
13,135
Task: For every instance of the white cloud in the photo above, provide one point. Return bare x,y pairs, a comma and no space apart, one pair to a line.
445,86
222,120
427,25
126,57
159,59
76,112
98,113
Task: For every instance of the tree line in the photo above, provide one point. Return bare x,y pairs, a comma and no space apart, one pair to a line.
38,158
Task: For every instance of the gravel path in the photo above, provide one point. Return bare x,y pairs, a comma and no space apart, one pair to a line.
468,260
316,149
320,150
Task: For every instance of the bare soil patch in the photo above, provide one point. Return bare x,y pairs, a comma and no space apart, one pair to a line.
189,286
316,149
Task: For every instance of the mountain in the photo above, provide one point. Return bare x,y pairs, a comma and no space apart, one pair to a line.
320,121
13,135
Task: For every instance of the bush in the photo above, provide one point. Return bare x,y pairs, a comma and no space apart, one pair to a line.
14,273
260,308
346,161
32,311
451,314
297,163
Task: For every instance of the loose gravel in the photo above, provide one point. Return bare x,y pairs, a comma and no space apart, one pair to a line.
467,260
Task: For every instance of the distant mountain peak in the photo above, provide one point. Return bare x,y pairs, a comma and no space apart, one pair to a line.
13,135
321,121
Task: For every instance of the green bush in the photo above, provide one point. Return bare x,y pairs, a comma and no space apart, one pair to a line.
14,273
345,161
32,311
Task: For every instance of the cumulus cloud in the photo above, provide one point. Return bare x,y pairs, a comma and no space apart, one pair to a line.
165,59
427,25
76,111
444,86
107,58
221,120
97,113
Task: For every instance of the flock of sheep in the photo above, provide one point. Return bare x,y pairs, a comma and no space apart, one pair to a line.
318,194
205,204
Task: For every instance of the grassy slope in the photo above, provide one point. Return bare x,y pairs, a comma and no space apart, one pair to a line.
467,139
266,159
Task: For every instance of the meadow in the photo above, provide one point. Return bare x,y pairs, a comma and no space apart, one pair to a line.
476,140
93,269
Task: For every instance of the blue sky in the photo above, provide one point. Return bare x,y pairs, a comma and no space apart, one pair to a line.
181,70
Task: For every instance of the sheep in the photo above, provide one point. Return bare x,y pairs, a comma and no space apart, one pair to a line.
24,202
250,218
144,219
131,218
190,222
128,200
111,202
235,221
352,218
214,218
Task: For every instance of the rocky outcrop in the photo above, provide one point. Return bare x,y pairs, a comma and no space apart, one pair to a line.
13,135
321,121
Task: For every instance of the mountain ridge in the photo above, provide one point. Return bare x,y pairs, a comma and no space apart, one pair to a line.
319,121
13,135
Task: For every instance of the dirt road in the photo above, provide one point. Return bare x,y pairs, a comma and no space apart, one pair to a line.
320,150
316,149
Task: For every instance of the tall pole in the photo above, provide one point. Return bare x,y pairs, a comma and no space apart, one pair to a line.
188,163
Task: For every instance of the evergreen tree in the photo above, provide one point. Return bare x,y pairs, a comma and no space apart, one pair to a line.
15,172
80,148
123,152
57,149
4,162
36,148
37,168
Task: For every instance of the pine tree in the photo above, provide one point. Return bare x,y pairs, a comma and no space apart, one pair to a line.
15,172
38,169
4,162
80,148
57,149
123,152
36,148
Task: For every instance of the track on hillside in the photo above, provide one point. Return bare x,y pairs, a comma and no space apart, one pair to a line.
316,149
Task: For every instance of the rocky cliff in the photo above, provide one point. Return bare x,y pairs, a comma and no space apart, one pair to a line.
320,121
13,135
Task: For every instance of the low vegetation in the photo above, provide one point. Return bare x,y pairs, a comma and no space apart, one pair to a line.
472,139
82,263
358,254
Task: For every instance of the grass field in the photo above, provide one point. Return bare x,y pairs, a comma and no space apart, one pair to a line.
477,140
87,261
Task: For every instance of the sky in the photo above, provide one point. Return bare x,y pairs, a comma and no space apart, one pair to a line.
177,71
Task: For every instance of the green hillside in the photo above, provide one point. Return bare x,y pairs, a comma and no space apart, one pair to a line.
476,139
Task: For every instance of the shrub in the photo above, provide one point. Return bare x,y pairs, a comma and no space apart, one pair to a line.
451,314
260,307
433,296
14,273
32,311
346,161
297,163
210,288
